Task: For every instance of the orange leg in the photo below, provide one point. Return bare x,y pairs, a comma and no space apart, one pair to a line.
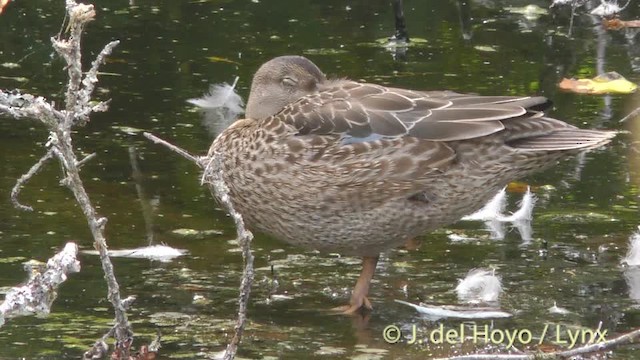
361,290
412,244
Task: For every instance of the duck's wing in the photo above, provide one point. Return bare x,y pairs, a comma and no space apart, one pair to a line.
364,112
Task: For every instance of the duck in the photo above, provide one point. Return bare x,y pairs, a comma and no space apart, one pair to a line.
355,168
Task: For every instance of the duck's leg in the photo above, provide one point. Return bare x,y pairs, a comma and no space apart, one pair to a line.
361,290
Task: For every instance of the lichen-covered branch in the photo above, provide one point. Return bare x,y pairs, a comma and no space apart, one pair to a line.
37,295
212,177
60,123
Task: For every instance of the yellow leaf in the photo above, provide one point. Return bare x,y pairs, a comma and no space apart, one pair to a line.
607,83
219,59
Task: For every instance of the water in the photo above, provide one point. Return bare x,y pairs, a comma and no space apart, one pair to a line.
171,51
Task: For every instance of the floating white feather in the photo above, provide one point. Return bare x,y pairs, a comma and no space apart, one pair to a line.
221,106
525,212
606,9
555,309
633,254
221,96
439,312
492,210
480,285
161,253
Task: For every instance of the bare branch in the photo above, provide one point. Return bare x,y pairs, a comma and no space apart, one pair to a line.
88,158
180,151
26,177
632,114
213,177
37,295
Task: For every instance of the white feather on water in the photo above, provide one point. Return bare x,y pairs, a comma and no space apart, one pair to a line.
221,96
162,253
555,309
633,254
493,215
221,106
606,9
439,312
492,210
480,285
525,212
632,278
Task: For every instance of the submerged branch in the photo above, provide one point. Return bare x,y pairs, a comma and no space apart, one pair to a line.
213,178
37,295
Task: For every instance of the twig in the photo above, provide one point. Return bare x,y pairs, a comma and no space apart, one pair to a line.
632,114
85,160
37,295
23,180
180,151
214,179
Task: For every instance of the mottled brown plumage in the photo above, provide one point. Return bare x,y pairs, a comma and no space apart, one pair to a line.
354,168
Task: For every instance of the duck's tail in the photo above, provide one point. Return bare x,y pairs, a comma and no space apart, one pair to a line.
548,134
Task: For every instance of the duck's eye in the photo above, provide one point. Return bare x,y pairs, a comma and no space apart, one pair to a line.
289,81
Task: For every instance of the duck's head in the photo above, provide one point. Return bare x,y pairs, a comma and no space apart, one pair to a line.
279,82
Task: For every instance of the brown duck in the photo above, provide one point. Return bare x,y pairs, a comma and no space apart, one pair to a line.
355,168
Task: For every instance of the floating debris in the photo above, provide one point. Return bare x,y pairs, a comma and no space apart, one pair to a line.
581,217
439,312
530,12
127,129
221,59
10,65
162,253
324,51
555,309
617,24
480,285
193,233
486,48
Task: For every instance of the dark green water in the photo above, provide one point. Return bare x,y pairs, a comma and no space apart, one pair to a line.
164,59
